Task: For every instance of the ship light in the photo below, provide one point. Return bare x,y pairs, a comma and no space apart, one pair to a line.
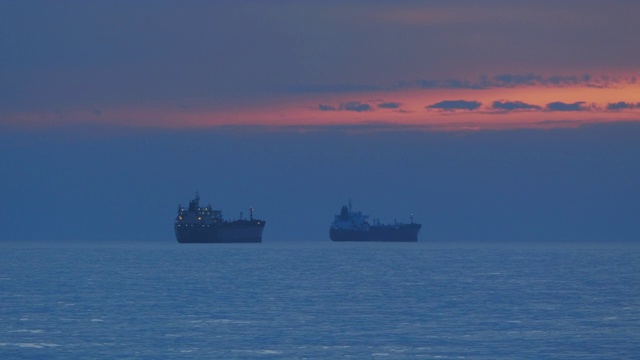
180,217
199,218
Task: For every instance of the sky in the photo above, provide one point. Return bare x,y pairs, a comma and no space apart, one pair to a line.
489,121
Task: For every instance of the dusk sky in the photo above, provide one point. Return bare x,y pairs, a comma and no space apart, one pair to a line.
488,120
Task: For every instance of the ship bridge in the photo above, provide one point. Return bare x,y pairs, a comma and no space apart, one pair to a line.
350,220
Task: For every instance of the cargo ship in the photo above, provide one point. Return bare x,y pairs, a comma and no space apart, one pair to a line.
196,224
354,226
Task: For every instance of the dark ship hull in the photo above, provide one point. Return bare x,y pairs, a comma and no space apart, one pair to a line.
240,231
384,233
203,224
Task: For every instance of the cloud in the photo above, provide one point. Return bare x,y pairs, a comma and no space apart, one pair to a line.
356,106
324,107
445,84
450,105
389,105
514,105
621,105
566,80
514,80
338,88
482,82
507,80
561,106
496,106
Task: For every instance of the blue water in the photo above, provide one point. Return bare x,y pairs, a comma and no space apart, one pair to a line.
319,301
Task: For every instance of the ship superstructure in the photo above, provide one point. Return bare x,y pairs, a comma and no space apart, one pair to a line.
196,224
352,225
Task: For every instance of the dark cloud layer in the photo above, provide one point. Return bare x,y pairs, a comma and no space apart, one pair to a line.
561,106
483,82
389,105
507,80
514,80
324,107
621,105
337,88
443,84
450,105
498,106
514,105
355,106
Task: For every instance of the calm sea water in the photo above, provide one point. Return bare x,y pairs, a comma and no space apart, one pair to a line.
318,301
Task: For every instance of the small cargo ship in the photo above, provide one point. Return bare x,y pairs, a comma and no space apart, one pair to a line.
353,226
196,224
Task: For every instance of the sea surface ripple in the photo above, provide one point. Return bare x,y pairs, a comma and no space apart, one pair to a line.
318,301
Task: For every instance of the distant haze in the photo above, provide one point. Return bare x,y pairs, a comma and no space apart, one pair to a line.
544,185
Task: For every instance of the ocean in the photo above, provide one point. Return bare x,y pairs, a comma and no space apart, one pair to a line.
319,301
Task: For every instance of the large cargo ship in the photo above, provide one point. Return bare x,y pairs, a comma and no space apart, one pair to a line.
354,226
197,224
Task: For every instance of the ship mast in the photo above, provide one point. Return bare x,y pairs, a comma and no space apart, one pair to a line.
193,204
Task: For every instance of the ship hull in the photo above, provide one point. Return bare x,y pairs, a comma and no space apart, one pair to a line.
403,233
231,232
